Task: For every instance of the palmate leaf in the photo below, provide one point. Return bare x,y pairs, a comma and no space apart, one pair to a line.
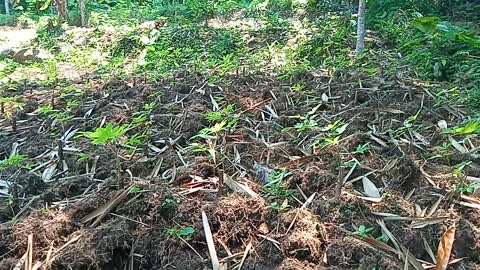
106,134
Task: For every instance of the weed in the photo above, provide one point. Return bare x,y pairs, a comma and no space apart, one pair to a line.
72,104
10,99
168,201
335,128
15,161
349,164
277,190
141,117
467,188
408,123
215,129
50,67
134,140
441,150
444,146
45,110
307,121
362,148
279,175
181,233
362,231
197,148
61,117
298,87
329,141
280,207
135,189
472,98
459,168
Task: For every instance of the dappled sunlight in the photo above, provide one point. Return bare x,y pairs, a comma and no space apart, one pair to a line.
237,21
11,37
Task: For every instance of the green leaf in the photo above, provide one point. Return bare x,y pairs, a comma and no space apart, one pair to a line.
362,148
45,5
218,127
173,232
470,40
135,189
186,231
368,230
426,24
106,134
470,127
447,29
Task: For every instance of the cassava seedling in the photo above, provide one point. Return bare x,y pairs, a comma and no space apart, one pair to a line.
107,134
362,148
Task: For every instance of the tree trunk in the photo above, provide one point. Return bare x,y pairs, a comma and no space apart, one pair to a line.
360,28
7,8
81,5
62,10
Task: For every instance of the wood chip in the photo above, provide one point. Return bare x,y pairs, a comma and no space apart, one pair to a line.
210,243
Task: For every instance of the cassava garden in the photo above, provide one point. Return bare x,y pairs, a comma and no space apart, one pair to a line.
239,134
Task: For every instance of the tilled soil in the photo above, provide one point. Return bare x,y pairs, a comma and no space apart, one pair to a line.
83,213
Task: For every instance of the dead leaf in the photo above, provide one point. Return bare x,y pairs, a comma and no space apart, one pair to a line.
423,222
210,242
395,111
369,188
263,228
238,187
103,210
324,97
245,254
442,124
457,146
445,248
296,162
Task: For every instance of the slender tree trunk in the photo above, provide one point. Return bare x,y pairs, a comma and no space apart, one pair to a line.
7,8
81,5
62,10
360,28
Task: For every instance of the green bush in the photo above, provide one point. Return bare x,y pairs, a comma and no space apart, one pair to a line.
8,20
